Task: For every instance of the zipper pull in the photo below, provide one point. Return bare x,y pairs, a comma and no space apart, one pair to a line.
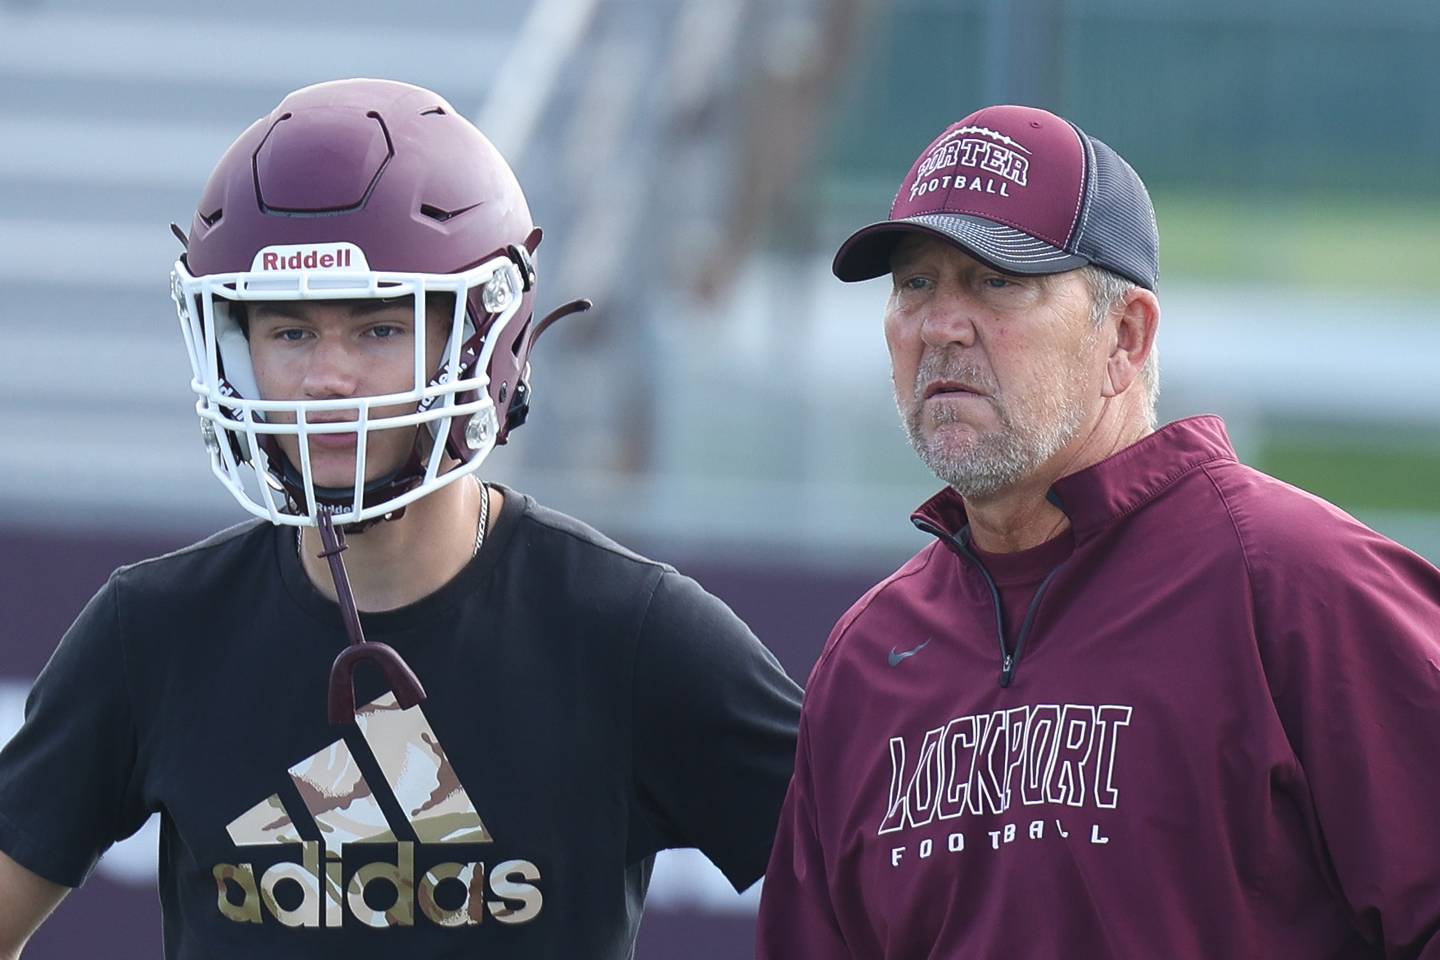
1007,670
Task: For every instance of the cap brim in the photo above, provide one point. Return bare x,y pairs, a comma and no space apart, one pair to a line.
866,254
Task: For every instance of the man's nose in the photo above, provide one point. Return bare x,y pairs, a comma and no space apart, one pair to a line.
948,318
333,370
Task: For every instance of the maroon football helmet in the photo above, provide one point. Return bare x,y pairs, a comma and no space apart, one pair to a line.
359,189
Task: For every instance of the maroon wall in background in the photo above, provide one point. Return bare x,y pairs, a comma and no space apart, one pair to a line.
46,578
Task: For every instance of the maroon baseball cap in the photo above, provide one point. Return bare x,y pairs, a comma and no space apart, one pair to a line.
1023,190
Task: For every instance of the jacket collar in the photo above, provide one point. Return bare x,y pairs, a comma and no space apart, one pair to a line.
1104,492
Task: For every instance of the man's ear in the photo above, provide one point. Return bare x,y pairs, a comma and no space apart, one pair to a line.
1133,324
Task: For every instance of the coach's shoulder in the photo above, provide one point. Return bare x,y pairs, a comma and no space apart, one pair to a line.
1286,531
882,610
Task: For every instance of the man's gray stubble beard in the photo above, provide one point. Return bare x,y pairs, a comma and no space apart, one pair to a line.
994,459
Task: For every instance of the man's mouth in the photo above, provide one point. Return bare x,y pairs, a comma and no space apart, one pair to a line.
334,441
951,388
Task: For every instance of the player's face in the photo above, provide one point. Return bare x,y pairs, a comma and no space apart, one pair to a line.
331,350
994,373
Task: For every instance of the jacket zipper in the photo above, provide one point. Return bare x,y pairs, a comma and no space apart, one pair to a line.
1009,661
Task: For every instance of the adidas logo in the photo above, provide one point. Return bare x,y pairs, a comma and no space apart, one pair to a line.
337,797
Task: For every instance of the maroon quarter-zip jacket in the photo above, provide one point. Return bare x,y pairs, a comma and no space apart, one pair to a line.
1215,732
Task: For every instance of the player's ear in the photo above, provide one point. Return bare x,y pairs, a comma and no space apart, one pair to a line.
1132,325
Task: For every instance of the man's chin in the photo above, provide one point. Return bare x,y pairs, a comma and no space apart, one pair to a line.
336,468
954,439
344,484
339,473
346,481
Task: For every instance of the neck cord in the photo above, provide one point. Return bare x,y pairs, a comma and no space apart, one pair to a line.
484,515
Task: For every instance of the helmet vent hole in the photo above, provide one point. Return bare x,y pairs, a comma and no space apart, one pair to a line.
439,215
433,111
213,217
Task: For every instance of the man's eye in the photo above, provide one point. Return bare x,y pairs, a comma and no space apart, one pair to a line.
999,283
385,331
915,283
290,336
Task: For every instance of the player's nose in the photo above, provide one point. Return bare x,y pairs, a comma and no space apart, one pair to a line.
333,370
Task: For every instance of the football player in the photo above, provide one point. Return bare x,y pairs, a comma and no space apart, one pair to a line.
549,710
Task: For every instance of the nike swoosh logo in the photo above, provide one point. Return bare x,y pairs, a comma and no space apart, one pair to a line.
896,657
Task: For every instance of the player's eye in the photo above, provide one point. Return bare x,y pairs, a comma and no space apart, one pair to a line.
386,331
290,335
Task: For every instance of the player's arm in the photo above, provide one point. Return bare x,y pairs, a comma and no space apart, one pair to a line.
70,781
25,901
715,718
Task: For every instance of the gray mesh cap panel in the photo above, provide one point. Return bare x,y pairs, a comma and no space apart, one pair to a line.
1120,232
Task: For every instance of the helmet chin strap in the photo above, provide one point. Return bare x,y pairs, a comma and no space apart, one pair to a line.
294,487
340,705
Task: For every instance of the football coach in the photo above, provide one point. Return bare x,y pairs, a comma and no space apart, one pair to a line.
1135,698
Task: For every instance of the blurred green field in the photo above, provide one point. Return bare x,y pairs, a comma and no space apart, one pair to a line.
1319,242
1399,472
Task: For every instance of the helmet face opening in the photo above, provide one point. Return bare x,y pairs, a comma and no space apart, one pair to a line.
347,191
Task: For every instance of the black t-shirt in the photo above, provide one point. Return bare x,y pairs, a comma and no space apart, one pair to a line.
586,708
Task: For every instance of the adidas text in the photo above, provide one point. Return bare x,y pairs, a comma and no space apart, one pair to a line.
508,892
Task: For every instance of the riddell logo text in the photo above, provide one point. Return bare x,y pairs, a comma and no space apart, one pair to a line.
310,260
315,891
338,257
345,810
